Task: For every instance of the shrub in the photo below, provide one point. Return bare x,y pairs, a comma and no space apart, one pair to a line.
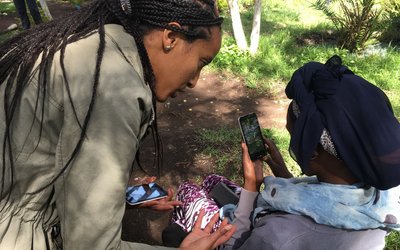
230,56
391,15
243,4
223,5
356,20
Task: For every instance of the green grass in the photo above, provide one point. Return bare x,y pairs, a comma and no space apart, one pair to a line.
7,7
393,241
223,145
288,32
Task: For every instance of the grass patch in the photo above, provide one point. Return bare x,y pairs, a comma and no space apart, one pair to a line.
292,33
393,241
7,7
223,145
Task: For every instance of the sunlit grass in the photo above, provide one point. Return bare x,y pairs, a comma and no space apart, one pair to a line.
285,26
6,6
393,241
223,145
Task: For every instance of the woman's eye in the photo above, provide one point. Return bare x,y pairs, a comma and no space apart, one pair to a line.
202,64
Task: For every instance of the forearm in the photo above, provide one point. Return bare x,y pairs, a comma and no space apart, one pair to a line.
242,219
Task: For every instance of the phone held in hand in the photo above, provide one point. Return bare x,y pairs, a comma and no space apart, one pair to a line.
141,193
252,136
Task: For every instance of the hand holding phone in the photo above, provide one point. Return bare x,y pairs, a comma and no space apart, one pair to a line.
252,136
147,192
253,174
151,196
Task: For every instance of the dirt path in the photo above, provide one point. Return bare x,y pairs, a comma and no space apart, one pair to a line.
215,102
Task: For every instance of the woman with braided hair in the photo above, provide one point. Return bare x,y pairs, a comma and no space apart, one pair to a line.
78,95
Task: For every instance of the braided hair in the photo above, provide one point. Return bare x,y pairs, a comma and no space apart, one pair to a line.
19,54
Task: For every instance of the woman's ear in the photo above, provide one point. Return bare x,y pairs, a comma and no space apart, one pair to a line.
170,37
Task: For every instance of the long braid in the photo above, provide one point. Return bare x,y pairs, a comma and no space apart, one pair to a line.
100,53
19,54
54,35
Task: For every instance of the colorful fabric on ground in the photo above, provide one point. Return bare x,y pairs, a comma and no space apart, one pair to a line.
195,198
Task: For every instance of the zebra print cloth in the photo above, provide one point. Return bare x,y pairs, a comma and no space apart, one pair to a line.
195,198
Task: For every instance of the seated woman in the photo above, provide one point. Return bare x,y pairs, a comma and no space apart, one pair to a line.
345,137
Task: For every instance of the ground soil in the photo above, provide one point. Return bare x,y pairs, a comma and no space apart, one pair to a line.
216,102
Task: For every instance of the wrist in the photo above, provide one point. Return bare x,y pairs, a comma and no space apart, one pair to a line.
250,186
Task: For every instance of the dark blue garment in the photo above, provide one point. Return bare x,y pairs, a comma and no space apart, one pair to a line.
23,15
358,116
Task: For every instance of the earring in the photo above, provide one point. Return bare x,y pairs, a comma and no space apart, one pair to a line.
168,47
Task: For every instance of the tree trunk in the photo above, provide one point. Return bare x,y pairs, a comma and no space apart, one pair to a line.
45,9
237,24
255,32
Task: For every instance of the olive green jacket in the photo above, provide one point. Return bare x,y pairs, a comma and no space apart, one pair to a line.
88,199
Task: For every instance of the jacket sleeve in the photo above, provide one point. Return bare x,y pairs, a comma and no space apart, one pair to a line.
91,193
242,219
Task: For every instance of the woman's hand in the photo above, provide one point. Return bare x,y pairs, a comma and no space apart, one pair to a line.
275,160
164,204
252,171
203,239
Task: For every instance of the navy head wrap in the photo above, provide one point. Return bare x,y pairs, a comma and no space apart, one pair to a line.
358,116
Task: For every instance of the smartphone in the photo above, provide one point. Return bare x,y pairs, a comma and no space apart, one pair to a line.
223,195
141,193
251,133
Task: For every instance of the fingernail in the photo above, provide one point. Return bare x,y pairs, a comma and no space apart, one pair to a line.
228,227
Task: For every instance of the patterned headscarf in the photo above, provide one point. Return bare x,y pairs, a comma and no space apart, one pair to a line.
350,112
325,140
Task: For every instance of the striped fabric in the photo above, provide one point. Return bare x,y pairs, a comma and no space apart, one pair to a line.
195,198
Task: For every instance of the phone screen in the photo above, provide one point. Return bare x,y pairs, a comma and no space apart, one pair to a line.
251,133
141,193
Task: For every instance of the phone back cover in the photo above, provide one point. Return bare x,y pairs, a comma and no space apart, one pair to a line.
223,195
